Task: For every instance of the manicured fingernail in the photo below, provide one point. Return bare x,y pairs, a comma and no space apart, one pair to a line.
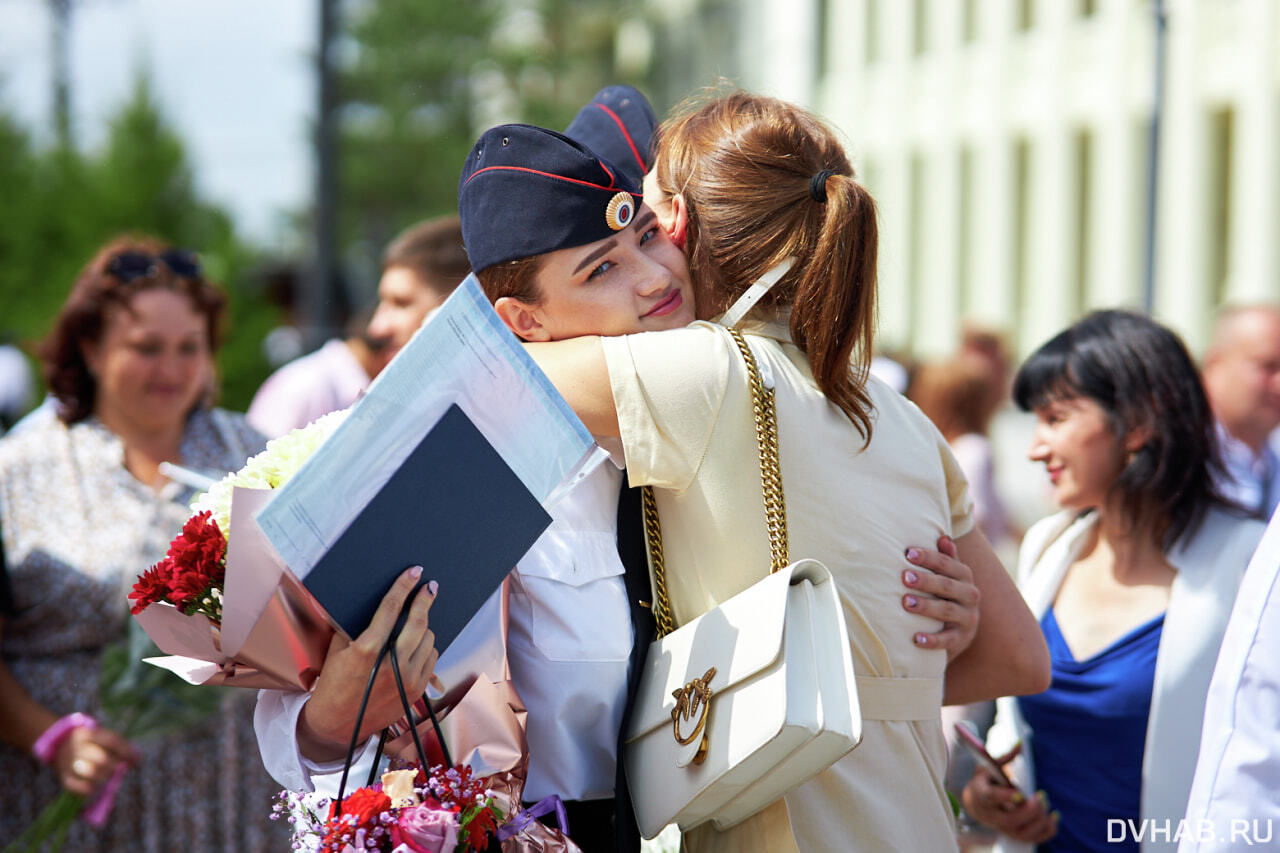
1044,798
922,639
1057,815
433,587
1018,799
912,602
910,576
913,554
415,572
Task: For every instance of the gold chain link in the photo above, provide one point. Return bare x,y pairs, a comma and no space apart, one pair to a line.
764,408
775,506
653,534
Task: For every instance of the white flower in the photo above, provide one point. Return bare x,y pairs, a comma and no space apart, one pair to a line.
270,469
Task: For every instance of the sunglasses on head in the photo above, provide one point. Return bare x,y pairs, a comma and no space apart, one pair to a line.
130,265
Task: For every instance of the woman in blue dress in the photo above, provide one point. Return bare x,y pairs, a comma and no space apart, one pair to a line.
1132,582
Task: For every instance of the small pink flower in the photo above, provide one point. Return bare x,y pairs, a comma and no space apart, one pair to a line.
423,829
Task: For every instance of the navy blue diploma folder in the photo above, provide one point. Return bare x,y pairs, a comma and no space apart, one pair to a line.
455,508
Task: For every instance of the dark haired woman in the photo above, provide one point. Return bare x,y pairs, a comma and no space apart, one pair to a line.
84,508
1132,582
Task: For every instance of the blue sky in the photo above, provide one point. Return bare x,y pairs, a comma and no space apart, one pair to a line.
233,77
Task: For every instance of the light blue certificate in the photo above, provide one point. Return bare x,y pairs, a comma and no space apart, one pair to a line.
463,354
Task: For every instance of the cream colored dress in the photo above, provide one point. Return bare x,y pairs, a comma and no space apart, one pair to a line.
685,416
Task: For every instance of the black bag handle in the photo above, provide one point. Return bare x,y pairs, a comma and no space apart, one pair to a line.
389,650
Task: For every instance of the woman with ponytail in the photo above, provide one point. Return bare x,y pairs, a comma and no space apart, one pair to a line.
755,190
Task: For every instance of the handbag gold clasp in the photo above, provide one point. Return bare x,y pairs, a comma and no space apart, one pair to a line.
694,696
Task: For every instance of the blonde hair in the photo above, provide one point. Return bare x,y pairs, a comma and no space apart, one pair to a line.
744,165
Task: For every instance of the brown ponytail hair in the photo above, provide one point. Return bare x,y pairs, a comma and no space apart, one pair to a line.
743,164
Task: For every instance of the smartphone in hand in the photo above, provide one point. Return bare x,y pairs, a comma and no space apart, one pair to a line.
969,738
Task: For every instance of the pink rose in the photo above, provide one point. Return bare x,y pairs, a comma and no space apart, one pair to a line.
423,829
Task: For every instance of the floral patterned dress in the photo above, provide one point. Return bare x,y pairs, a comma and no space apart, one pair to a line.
77,529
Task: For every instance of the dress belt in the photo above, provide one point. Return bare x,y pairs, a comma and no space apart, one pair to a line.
899,698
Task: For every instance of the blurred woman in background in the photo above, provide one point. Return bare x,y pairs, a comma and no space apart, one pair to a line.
960,395
84,508
1132,582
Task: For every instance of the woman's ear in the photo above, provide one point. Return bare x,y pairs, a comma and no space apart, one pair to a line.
1136,438
522,319
91,352
679,225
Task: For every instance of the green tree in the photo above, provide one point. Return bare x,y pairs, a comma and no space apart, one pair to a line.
424,75
59,205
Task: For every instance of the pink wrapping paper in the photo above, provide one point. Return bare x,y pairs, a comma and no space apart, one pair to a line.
273,633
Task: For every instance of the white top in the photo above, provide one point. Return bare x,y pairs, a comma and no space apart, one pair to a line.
1253,479
1209,565
684,410
304,389
17,388
569,644
1233,803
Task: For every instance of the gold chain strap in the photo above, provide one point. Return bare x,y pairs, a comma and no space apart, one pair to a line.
653,535
775,506
766,414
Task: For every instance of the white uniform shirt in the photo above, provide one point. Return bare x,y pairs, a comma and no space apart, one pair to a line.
569,643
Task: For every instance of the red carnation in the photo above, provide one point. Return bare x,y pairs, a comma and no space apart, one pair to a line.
362,808
151,586
195,566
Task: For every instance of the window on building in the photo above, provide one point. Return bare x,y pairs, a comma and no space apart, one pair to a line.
969,20
1084,154
919,26
919,195
1024,15
871,32
1021,227
822,16
1218,251
964,235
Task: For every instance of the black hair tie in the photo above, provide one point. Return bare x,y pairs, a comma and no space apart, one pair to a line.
818,185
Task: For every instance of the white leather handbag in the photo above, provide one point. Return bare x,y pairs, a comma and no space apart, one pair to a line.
752,698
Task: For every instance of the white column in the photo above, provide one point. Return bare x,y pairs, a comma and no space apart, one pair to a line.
1255,272
992,203
782,56
939,85
1182,256
1048,298
1116,225
893,195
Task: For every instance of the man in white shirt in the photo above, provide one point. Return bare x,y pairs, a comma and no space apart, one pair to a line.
420,268
1241,375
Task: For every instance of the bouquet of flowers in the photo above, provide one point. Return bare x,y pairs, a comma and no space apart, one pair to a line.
221,603
409,811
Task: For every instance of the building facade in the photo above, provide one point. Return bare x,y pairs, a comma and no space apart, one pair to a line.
1009,143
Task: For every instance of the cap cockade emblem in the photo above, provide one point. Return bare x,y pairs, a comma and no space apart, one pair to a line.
621,210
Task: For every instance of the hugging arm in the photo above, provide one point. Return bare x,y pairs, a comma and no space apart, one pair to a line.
577,368
1008,655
